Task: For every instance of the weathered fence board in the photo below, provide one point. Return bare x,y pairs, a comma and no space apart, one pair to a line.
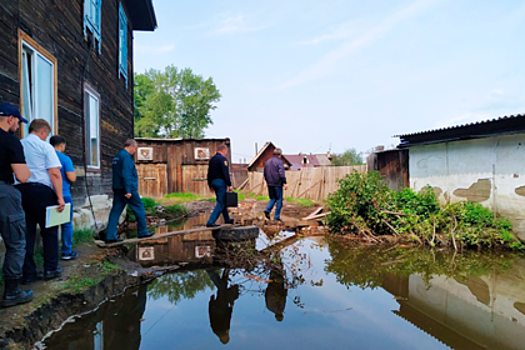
310,183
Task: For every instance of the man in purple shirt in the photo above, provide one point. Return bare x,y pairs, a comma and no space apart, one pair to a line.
276,180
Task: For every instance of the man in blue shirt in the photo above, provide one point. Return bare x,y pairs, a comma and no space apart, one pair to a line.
219,182
126,191
68,177
275,179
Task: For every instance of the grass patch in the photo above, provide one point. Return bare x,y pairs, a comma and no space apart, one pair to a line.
176,210
78,283
304,202
108,267
184,197
83,236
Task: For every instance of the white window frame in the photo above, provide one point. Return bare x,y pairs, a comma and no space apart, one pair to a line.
88,90
26,43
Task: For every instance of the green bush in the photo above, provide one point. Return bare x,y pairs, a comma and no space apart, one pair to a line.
365,205
176,210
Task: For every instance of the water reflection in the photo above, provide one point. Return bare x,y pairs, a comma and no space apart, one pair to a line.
115,325
314,295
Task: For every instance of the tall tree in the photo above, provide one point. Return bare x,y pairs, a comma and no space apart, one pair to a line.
173,103
349,157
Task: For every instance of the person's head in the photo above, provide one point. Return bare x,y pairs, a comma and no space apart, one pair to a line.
40,128
131,146
277,152
10,118
222,149
279,317
59,142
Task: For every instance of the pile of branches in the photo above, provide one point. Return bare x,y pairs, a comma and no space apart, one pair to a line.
364,205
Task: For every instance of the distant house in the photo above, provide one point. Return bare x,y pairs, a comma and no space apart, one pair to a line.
299,161
265,153
481,162
71,63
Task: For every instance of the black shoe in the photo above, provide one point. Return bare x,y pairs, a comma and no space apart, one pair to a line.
212,225
49,275
116,240
28,280
267,215
279,221
16,297
149,234
70,256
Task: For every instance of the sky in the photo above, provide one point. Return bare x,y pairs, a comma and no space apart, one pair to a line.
313,76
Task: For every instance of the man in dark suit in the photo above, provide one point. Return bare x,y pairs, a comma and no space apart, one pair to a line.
219,182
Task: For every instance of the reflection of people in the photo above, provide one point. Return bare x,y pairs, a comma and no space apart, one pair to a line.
275,295
126,191
219,182
276,179
68,177
221,306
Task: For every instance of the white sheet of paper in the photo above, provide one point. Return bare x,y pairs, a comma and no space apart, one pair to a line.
54,218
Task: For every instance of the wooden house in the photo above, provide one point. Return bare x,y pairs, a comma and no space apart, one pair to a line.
175,165
71,63
265,153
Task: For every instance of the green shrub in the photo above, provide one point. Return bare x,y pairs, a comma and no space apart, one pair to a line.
365,205
83,236
176,210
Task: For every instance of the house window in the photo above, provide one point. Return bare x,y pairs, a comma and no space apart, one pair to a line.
37,83
123,44
92,117
92,9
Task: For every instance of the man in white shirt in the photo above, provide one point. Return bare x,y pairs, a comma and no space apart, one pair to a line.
43,189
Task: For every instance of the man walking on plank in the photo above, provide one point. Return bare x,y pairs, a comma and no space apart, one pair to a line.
12,217
275,179
126,191
219,182
43,189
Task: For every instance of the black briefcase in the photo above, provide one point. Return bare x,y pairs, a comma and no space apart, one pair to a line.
231,199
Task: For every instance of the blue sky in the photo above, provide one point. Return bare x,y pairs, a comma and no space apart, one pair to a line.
310,75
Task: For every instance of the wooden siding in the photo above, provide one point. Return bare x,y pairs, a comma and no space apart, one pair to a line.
393,166
310,183
153,180
58,27
184,173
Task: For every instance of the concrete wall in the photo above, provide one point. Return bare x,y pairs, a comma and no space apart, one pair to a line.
490,171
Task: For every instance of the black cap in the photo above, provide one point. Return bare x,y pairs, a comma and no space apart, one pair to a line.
7,110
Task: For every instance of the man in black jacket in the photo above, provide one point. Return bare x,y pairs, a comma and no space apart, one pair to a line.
219,182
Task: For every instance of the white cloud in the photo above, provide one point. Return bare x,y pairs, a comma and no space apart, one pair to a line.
464,119
236,24
494,94
330,62
155,49
341,31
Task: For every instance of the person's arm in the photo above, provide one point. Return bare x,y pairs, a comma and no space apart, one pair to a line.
226,174
208,176
56,180
53,167
127,175
69,170
21,171
18,160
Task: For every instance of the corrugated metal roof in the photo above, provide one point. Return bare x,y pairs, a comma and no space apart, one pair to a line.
463,125
161,139
507,125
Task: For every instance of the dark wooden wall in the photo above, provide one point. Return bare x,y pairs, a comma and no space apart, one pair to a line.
259,162
393,166
179,156
58,26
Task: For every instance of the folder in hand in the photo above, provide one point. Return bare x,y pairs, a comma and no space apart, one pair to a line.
54,218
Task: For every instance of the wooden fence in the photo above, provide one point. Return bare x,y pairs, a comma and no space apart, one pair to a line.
311,183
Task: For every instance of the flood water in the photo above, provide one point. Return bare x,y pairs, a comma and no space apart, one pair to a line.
319,295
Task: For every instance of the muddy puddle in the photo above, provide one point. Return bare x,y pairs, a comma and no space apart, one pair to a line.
312,294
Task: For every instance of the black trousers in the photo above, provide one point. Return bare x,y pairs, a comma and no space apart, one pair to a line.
13,230
35,199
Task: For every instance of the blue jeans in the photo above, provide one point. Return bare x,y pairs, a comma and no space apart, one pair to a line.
219,187
119,203
67,229
276,196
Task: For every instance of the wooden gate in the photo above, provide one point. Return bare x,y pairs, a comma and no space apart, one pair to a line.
153,180
194,180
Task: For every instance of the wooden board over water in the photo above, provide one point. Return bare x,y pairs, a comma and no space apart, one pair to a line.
103,244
